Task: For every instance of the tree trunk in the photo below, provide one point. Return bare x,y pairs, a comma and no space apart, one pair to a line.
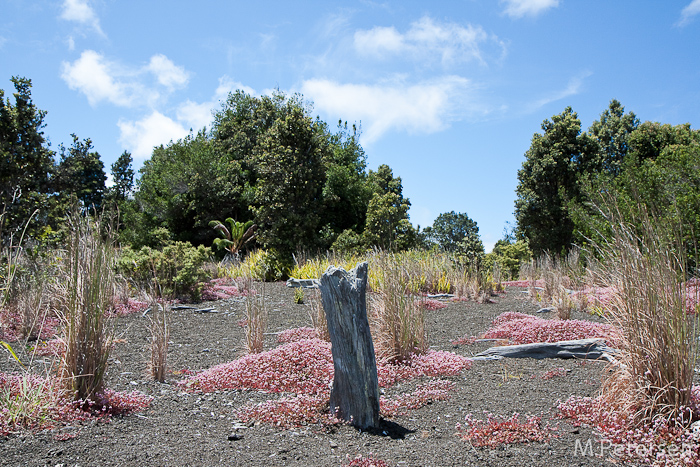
355,391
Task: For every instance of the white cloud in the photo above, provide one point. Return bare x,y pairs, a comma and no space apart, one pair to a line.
101,79
425,40
572,88
140,137
199,115
426,107
81,12
520,8
167,73
97,78
689,12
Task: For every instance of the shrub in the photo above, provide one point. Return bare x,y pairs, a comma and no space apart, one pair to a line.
178,269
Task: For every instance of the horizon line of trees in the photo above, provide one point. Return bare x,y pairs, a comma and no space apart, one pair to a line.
265,160
570,179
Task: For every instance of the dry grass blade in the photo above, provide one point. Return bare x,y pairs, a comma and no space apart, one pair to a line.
397,318
649,306
88,290
256,316
160,334
318,316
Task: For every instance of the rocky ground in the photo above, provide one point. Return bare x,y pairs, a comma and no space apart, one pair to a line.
181,428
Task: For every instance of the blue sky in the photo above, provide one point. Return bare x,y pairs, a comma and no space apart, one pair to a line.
448,94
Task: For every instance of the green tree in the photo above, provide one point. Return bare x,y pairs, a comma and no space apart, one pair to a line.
549,180
450,229
387,225
81,174
26,163
122,177
346,193
183,186
612,132
288,161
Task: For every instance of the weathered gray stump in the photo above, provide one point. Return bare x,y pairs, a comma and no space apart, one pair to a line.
355,391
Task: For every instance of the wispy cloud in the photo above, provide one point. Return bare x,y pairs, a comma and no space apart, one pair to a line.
100,79
426,39
520,8
689,12
573,87
82,13
140,137
199,114
425,107
167,73
156,128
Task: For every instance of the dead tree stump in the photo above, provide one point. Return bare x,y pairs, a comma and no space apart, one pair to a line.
355,391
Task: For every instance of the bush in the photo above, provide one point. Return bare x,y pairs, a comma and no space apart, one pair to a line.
178,269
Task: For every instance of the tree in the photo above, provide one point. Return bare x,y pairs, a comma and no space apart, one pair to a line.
26,163
81,174
451,228
549,180
122,177
346,193
612,132
184,186
288,162
387,225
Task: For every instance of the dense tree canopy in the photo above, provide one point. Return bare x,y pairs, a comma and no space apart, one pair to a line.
26,163
81,174
549,180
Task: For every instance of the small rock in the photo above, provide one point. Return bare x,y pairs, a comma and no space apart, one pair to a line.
333,444
235,437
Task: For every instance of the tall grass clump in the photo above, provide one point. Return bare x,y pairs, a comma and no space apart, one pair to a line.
397,317
256,316
88,290
160,333
318,315
648,273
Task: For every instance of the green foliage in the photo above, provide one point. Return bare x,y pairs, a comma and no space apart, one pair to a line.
288,162
387,226
458,235
548,181
509,255
177,270
346,192
185,185
80,174
26,163
299,296
122,177
348,242
235,236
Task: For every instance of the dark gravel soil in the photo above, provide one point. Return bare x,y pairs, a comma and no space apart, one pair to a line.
200,429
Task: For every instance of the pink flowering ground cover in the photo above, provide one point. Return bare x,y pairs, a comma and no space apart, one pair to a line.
432,305
663,443
221,288
520,328
304,369
498,430
34,403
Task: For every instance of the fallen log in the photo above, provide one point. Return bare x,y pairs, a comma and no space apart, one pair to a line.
588,349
